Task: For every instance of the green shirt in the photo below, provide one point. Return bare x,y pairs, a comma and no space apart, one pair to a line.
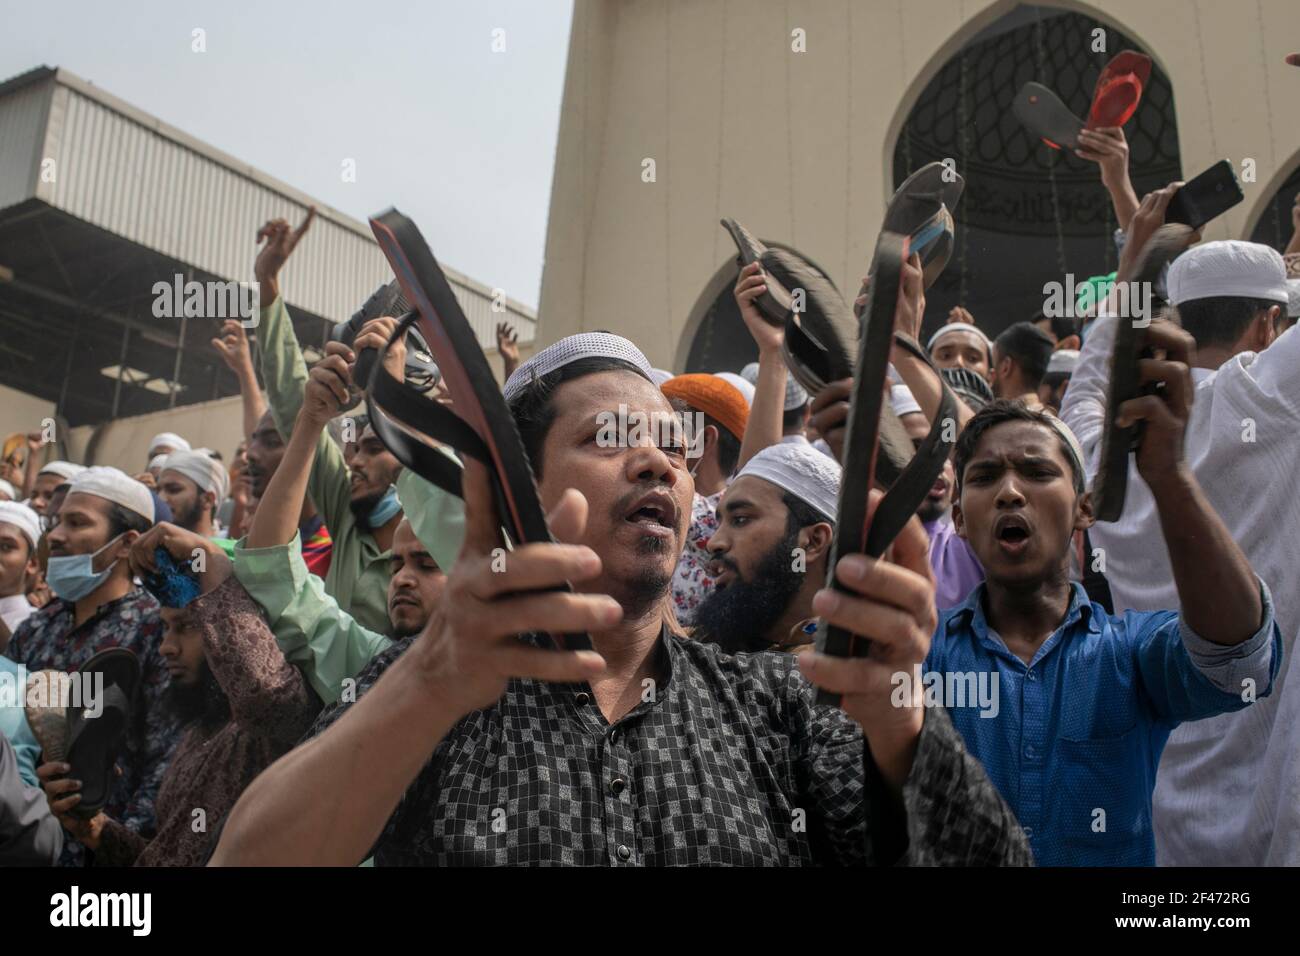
317,636
358,573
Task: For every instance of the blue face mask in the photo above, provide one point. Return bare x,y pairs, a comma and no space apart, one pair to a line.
384,510
73,576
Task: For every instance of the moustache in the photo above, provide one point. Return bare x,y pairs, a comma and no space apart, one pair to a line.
620,508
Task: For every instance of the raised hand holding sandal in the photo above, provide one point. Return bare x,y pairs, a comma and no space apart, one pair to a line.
86,728
1115,99
855,532
821,336
1110,486
481,426
921,210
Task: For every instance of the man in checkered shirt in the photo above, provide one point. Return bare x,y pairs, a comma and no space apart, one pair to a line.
467,745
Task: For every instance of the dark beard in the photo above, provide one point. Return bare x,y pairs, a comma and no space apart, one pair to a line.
189,518
204,702
738,617
930,511
361,508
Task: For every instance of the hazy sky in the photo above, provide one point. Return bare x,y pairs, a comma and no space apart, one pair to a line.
458,137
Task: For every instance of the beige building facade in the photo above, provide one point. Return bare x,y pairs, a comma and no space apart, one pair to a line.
789,117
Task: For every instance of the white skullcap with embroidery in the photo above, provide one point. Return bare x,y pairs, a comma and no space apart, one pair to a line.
198,467
23,518
1063,362
64,469
1228,267
795,396
745,389
574,348
167,440
959,327
115,486
801,470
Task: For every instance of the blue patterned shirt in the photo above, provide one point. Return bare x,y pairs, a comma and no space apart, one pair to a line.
48,641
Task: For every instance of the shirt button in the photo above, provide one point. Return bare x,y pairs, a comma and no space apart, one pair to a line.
617,785
582,699
1030,752
624,853
613,736
1031,675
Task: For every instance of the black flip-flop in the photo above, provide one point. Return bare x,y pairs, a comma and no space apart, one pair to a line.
921,209
854,533
820,344
95,740
1044,115
481,425
1110,486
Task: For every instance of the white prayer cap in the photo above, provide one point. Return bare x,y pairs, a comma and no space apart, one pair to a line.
574,348
1228,267
745,389
23,518
1063,362
959,327
199,468
795,396
156,462
902,400
167,440
7,490
803,471
1293,298
659,376
115,486
64,469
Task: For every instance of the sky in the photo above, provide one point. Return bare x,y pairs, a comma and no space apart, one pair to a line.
457,136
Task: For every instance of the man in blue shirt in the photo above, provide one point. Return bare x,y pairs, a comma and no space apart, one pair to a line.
1069,708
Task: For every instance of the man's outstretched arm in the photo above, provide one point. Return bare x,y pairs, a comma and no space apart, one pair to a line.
346,782
1218,592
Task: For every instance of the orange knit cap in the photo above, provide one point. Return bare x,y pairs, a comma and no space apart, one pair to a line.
714,397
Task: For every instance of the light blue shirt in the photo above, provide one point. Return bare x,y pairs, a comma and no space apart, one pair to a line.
13,719
1073,738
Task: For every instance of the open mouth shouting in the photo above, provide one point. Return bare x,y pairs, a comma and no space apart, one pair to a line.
722,572
654,514
1012,533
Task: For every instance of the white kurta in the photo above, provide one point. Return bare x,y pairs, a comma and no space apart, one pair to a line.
1228,789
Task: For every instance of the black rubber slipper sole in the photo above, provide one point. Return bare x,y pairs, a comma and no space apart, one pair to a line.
857,530
480,408
94,743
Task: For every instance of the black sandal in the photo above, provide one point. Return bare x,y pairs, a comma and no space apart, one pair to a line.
855,533
1110,486
481,426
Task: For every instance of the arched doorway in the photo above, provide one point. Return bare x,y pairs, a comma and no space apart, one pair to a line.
719,341
1274,228
1029,213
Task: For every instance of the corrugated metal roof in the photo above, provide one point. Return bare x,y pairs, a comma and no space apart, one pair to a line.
135,176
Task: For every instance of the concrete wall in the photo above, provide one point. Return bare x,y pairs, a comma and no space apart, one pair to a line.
20,412
799,146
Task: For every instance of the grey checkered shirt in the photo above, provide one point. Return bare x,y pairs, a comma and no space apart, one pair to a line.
727,762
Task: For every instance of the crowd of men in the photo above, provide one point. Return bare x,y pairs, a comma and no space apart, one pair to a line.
364,674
